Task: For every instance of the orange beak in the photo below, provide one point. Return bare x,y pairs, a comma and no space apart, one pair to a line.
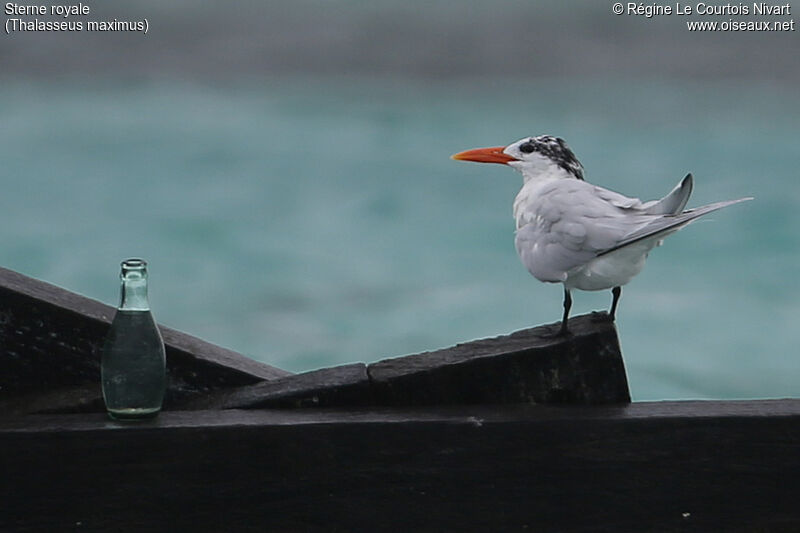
484,155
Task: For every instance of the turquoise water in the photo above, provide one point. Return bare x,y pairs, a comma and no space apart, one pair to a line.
314,222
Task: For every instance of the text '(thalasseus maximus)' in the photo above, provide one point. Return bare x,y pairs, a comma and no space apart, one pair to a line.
578,234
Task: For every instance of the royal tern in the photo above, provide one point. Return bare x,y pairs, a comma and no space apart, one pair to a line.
578,234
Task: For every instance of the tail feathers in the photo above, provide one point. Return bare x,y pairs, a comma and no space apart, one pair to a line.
674,202
663,226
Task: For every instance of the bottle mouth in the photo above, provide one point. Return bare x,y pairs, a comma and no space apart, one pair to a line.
134,263
134,269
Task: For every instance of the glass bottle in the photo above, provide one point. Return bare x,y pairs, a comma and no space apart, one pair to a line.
133,365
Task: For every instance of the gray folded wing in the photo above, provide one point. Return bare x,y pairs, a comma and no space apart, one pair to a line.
663,226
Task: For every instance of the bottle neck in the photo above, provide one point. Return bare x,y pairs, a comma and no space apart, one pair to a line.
133,293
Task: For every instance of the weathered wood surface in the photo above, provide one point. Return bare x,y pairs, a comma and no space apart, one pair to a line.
528,366
663,467
337,386
51,340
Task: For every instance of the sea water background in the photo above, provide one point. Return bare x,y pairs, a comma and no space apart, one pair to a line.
313,218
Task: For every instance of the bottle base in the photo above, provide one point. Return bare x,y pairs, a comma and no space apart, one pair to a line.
134,413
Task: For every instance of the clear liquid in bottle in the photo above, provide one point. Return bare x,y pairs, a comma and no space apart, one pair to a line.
133,368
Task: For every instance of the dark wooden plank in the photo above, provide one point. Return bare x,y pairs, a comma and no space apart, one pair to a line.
51,339
667,466
86,398
528,366
336,386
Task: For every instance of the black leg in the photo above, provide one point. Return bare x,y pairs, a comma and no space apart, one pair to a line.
616,292
565,318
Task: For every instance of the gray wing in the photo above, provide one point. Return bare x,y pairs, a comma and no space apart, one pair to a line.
663,226
672,204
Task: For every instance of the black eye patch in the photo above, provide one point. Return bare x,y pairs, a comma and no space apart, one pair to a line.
526,148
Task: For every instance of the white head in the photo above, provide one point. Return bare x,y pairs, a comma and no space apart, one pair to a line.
539,157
